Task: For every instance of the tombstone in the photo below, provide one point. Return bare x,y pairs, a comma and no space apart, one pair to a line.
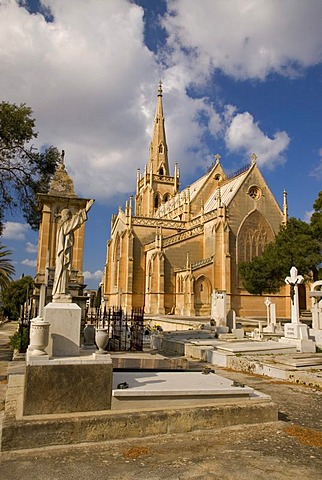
316,330
258,332
218,311
296,332
271,316
232,325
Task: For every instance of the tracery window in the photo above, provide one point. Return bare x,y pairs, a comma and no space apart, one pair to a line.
253,236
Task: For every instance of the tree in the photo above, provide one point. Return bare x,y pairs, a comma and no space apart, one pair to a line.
7,270
15,295
24,171
316,218
294,245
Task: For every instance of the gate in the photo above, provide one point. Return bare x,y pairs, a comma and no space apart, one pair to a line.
125,331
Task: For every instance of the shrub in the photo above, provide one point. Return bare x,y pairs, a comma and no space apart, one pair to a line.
20,340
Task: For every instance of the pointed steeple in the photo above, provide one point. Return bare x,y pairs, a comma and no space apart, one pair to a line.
158,160
285,208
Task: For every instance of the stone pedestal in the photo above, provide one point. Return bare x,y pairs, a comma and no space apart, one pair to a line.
65,326
67,385
316,335
297,334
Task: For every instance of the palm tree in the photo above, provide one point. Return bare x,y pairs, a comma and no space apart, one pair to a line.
7,270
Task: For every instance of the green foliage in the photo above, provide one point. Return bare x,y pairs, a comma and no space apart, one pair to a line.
98,298
316,218
294,245
15,295
7,270
20,339
24,171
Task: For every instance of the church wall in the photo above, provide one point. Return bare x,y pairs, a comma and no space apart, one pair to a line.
253,305
209,187
209,239
239,209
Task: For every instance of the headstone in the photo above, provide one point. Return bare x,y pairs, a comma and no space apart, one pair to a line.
316,330
218,311
271,316
231,320
232,325
296,332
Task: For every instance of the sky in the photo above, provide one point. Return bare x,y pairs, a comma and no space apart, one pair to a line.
238,76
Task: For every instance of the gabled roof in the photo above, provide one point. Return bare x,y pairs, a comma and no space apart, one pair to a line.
227,191
195,187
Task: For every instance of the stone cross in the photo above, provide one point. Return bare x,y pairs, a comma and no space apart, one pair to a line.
294,280
268,303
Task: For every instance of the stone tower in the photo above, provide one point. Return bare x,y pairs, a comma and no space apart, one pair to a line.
155,187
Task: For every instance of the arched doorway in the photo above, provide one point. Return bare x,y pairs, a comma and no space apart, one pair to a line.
202,291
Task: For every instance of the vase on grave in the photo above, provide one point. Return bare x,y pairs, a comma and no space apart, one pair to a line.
39,336
101,339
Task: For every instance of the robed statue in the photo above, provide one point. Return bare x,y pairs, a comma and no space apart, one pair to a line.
69,222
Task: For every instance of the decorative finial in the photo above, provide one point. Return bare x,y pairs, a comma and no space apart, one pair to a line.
254,157
217,157
160,89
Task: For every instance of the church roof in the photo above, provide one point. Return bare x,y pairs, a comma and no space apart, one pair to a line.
226,191
197,186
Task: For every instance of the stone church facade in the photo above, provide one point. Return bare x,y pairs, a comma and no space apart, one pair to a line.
169,250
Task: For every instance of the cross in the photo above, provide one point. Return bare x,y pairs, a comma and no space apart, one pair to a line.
254,157
217,157
293,280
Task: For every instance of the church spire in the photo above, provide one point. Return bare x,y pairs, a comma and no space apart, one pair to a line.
158,160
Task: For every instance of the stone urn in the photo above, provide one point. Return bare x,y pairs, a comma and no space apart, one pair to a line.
101,339
39,336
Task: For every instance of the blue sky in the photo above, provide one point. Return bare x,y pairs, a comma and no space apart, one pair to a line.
238,77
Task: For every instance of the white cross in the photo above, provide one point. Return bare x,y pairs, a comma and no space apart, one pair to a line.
294,280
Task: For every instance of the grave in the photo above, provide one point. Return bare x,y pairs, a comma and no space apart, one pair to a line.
169,389
296,333
316,331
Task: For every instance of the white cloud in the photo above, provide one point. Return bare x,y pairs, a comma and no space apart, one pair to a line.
317,171
84,75
93,276
31,248
244,38
307,216
15,230
29,263
92,82
243,134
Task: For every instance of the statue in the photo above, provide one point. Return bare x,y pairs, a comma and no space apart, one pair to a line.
65,241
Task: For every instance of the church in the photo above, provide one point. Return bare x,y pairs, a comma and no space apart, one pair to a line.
170,250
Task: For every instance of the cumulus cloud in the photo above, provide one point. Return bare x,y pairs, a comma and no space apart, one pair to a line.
243,38
93,276
15,230
90,101
31,248
92,81
29,263
244,134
